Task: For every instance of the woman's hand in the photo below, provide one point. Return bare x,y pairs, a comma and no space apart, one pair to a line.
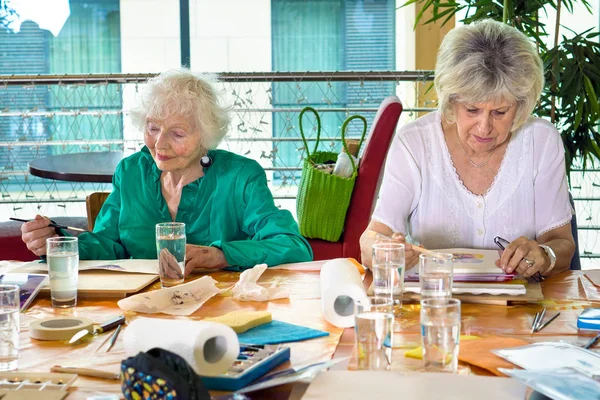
34,234
519,251
203,257
411,256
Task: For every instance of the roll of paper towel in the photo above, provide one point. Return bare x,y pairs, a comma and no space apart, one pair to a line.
210,348
341,286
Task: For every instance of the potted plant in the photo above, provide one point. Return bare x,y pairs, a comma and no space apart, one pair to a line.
572,65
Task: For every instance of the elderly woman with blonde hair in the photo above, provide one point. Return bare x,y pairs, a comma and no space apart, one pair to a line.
481,166
223,198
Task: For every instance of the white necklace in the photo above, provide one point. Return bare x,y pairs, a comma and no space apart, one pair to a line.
469,158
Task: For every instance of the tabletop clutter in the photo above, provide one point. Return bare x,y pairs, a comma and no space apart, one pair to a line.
238,349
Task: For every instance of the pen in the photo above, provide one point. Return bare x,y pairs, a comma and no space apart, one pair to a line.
535,322
592,342
53,225
548,322
113,339
85,372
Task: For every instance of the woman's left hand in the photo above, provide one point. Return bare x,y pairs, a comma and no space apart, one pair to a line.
517,254
203,257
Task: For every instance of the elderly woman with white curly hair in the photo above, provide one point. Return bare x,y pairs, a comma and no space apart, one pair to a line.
481,166
223,198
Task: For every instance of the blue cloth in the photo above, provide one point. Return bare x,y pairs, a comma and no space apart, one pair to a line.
279,332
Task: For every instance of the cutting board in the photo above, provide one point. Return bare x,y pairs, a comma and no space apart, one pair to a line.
97,283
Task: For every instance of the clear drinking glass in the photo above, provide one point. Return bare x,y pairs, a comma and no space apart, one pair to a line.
388,272
373,327
440,333
62,256
170,250
435,275
9,327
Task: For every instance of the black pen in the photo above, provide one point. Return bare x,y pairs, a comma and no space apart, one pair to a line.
592,342
53,225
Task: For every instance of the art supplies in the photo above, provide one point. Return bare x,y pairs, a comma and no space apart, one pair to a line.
589,319
52,225
558,384
209,348
279,332
341,286
58,328
252,362
47,383
94,373
29,285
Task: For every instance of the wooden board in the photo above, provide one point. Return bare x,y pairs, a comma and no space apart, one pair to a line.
534,293
96,283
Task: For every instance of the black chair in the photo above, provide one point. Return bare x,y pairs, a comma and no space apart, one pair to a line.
576,260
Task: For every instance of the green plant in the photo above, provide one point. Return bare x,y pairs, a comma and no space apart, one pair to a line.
7,14
570,97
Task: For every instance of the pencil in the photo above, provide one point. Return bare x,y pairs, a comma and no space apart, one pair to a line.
535,322
548,322
85,372
592,342
378,235
541,320
53,225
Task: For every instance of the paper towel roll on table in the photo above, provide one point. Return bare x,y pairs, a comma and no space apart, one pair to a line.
341,286
210,348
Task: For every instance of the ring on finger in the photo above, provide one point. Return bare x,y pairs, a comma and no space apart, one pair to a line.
528,262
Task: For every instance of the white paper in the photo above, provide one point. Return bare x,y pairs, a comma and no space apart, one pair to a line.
246,289
473,261
178,300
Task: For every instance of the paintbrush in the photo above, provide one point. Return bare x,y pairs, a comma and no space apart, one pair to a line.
53,225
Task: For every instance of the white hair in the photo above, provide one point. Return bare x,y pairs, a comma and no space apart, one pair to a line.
181,92
488,61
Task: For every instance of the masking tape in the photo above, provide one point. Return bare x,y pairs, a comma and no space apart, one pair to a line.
58,328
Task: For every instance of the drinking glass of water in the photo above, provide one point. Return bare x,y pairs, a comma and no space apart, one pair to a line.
62,256
388,272
435,275
440,332
9,327
374,332
170,249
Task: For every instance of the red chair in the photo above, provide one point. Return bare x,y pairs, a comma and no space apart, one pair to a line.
365,188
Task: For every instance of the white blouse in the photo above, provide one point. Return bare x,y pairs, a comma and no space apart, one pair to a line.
422,195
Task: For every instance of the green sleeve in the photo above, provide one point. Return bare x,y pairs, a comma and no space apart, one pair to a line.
104,242
274,237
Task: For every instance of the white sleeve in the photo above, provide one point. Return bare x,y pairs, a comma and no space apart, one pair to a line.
400,188
552,206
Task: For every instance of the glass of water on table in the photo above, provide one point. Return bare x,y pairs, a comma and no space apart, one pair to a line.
436,275
62,256
388,272
440,333
170,249
9,327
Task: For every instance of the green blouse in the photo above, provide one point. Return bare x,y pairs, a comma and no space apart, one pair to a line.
230,207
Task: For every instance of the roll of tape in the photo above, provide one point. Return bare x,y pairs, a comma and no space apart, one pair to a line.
58,328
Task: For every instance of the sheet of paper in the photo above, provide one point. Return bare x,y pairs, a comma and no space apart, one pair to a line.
475,288
133,266
350,385
473,261
178,300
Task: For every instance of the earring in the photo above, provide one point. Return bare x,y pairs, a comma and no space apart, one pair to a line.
206,161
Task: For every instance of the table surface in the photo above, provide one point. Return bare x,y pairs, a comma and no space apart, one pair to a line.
78,167
568,292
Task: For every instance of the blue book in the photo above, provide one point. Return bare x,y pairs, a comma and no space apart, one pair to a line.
589,319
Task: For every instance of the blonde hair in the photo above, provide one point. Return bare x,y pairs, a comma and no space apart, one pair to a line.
181,92
488,61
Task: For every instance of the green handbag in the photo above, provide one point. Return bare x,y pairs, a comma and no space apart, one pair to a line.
323,198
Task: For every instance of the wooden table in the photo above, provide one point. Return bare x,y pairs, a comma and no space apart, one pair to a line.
78,167
569,292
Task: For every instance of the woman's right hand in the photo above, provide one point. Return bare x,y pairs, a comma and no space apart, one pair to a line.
411,256
34,234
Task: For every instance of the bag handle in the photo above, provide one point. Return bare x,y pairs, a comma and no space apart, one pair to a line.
305,109
362,138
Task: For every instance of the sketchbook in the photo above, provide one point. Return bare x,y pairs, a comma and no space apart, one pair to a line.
474,261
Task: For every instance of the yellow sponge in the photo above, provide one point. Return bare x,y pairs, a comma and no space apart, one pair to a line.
242,320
